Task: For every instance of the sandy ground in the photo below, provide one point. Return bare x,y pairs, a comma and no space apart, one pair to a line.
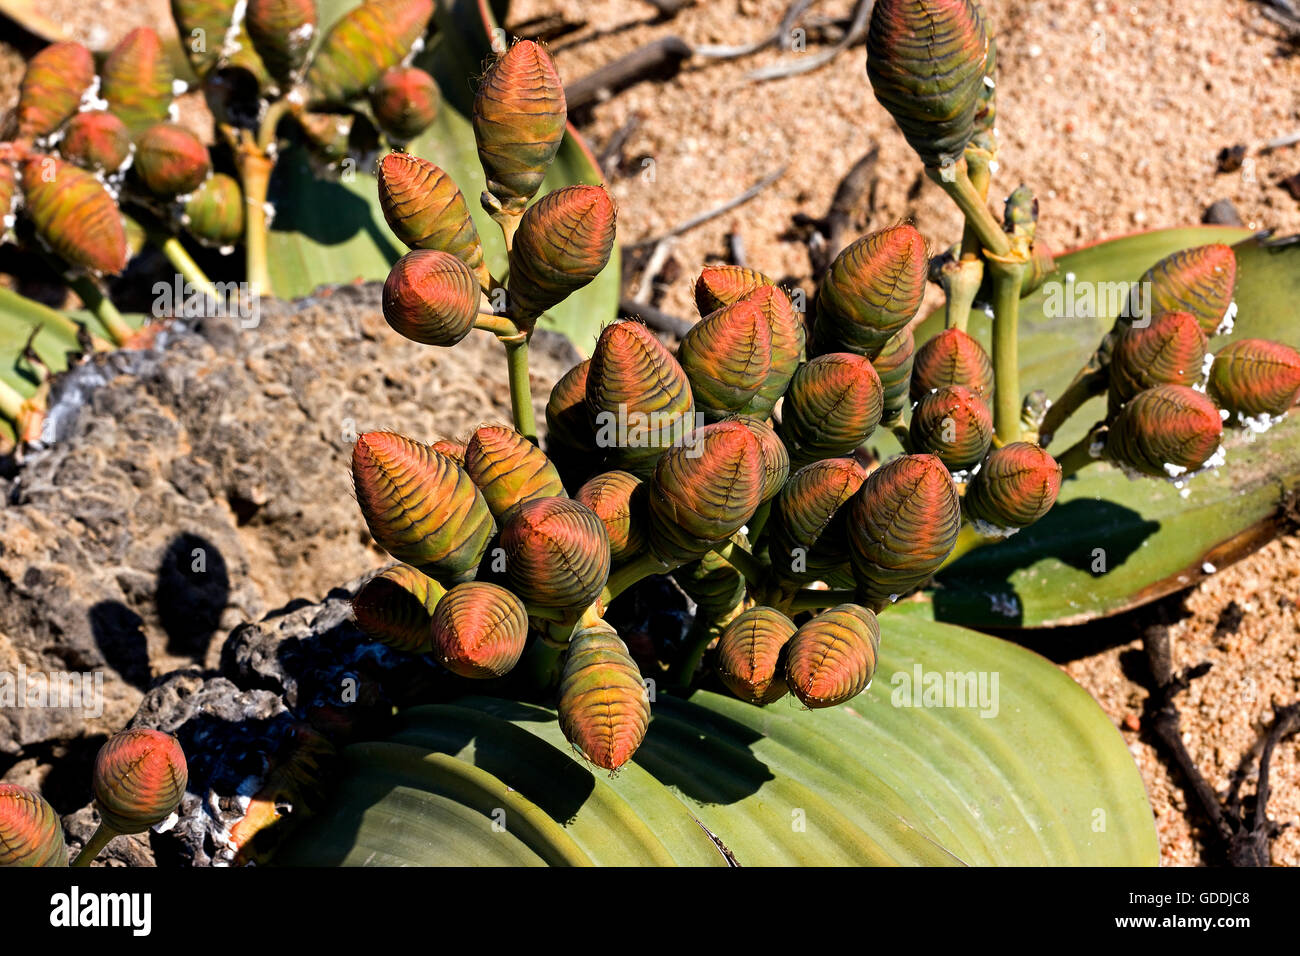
1113,112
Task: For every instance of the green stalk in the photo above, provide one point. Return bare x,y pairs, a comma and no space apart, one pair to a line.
620,579
759,521
1088,383
521,394
1007,277
960,289
183,262
701,634
973,207
750,568
254,167
94,846
1077,456
117,327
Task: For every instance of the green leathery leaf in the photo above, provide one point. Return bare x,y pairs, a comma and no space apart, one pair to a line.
328,232
874,781
56,340
1154,541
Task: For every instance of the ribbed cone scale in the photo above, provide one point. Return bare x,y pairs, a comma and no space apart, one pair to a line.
604,706
832,658
426,210
748,656
396,607
902,523
1165,431
421,507
519,120
556,553
139,779
1017,485
479,630
1256,377
509,469
871,291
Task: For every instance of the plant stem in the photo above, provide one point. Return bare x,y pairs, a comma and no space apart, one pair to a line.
629,574
759,521
902,433
179,257
1088,383
960,290
1077,456
94,846
521,393
254,167
498,325
818,599
1007,277
91,294
750,568
973,207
